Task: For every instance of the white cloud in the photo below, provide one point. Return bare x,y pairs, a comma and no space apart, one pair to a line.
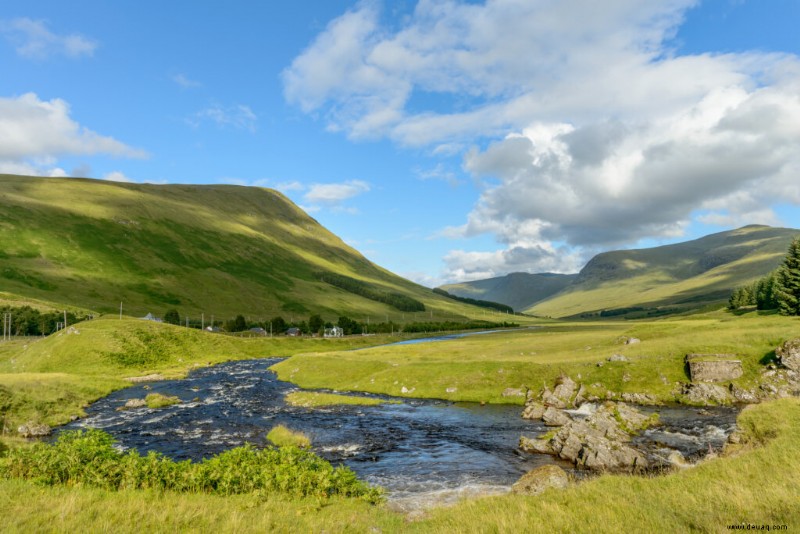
607,135
35,133
185,82
33,40
335,193
116,176
239,116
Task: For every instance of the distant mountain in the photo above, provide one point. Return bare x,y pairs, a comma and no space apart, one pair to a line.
518,290
214,249
645,282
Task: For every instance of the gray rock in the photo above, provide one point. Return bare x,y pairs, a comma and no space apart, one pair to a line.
743,395
539,479
632,340
789,354
34,430
533,410
451,390
555,417
565,389
541,446
513,392
645,399
135,403
548,399
707,394
617,358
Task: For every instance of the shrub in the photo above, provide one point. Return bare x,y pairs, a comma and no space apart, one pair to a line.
88,458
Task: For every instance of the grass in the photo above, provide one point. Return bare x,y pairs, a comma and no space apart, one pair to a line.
479,368
315,399
282,436
756,483
155,401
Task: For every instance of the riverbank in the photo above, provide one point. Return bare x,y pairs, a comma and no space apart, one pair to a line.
613,360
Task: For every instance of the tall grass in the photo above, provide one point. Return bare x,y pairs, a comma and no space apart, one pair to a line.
88,458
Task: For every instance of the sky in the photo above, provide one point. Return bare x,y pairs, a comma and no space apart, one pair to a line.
445,140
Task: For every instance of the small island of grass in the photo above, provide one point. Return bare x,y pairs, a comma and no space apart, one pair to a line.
314,399
157,400
283,436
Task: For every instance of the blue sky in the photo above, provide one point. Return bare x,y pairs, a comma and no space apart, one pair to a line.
445,140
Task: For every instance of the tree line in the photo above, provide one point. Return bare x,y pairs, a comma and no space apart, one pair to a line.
505,308
28,321
363,289
779,290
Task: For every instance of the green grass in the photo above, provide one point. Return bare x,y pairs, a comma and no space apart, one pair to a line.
282,436
315,399
157,400
481,367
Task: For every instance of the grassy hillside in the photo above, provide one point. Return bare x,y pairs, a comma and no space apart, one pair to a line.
518,290
674,277
219,250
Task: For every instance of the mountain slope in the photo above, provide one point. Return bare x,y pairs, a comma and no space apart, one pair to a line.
680,276
518,290
216,249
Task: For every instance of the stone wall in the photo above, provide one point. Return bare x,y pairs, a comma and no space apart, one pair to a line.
713,367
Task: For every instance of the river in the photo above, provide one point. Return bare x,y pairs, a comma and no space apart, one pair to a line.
419,450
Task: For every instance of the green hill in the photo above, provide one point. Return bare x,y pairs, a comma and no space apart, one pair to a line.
671,278
518,290
213,249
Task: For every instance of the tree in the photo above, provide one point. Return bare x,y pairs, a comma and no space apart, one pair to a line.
236,325
172,317
787,286
315,324
278,324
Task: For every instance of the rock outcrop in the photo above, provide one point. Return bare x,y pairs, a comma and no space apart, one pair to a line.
599,441
537,480
34,430
789,354
706,394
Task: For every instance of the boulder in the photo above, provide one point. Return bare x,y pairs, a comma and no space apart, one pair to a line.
555,417
533,410
632,340
34,430
135,403
743,395
541,446
645,399
565,389
617,358
513,392
789,354
549,399
539,479
713,367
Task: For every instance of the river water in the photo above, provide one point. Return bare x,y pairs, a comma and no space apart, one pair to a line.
421,451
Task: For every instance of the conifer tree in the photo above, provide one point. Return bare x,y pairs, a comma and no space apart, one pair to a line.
787,287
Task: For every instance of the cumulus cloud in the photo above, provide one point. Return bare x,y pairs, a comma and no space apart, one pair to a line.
239,117
603,134
33,40
35,133
116,176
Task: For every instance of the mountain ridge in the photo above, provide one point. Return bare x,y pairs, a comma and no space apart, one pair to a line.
651,281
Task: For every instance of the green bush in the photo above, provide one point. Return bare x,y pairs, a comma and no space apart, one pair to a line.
88,458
